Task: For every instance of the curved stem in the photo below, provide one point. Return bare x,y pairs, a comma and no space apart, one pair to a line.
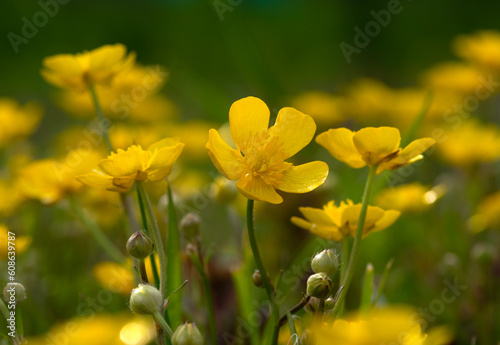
343,267
101,117
164,325
349,273
260,266
156,236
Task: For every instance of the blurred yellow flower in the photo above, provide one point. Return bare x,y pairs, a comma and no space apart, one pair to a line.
120,170
487,214
11,197
49,180
452,76
16,121
334,222
385,326
104,206
481,48
96,67
21,242
324,108
100,329
412,197
370,146
258,162
471,142
114,277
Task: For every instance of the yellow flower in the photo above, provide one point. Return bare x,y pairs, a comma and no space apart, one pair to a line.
49,180
325,108
334,222
487,214
471,143
95,67
258,162
11,197
371,146
412,197
114,277
452,76
482,49
21,242
393,325
120,170
16,121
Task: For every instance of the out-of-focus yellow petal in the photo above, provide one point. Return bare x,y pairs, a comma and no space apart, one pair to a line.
106,56
125,163
247,116
324,231
63,63
96,180
414,149
339,142
303,178
253,187
162,160
114,277
389,217
350,217
294,129
122,184
226,159
374,144
166,142
317,216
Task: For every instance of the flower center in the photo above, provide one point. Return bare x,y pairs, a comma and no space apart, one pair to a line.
265,157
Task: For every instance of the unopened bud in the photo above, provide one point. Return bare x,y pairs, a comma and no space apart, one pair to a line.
187,334
14,292
319,285
325,262
329,303
190,225
257,278
146,299
139,245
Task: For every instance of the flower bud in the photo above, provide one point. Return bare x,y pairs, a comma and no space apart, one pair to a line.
146,299
257,278
187,334
190,225
14,292
139,245
329,303
312,306
225,191
325,262
319,285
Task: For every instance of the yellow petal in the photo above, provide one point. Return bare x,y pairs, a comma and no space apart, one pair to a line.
374,144
96,180
303,178
64,64
340,144
247,116
166,142
106,57
125,163
350,217
413,150
122,184
317,216
253,187
162,160
326,232
226,159
390,216
294,129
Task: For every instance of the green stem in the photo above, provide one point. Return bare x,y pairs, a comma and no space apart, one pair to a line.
357,239
164,325
195,258
146,229
5,311
96,232
101,117
260,266
142,270
174,264
343,267
156,237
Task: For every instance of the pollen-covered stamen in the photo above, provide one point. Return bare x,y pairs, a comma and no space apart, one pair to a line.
265,157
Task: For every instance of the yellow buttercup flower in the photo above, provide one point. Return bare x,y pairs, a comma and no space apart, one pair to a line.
16,121
482,48
120,170
21,242
371,146
114,277
487,214
96,67
325,108
11,197
452,76
334,222
412,197
258,162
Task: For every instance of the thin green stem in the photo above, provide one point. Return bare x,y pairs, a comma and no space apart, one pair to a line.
142,270
164,325
101,117
156,237
197,262
96,232
343,266
260,266
357,239
5,311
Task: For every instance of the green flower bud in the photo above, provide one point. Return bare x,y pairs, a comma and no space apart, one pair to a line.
319,285
14,292
329,303
190,225
312,306
187,334
146,299
139,245
257,278
325,262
